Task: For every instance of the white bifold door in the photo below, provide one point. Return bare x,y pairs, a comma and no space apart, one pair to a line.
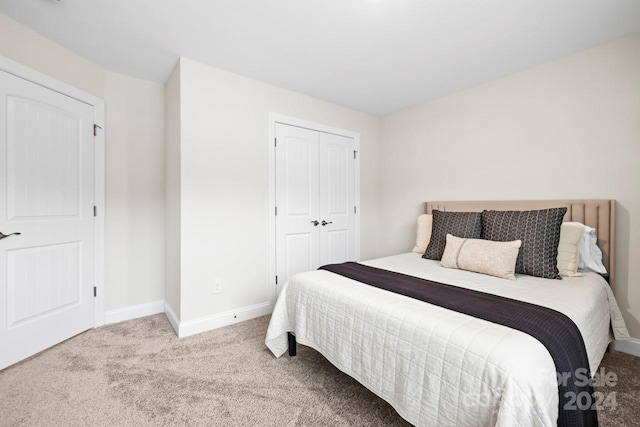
47,196
315,200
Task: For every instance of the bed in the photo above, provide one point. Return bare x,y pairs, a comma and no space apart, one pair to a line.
440,367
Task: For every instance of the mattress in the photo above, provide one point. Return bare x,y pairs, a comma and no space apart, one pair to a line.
436,366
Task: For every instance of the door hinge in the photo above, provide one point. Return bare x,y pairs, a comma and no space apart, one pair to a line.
275,142
355,153
95,211
354,210
95,129
276,280
95,291
276,211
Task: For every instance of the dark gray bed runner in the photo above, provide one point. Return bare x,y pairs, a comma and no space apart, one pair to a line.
553,329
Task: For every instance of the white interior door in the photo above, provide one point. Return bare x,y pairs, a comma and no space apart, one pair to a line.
47,195
297,201
337,199
315,200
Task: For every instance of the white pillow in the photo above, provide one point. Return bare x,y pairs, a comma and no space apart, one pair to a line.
482,256
571,236
590,254
423,235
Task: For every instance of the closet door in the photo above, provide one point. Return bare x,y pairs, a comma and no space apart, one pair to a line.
297,201
315,200
337,199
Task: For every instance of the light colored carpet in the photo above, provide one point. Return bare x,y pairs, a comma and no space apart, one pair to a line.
138,373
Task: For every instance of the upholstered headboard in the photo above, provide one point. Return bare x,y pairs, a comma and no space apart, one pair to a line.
598,213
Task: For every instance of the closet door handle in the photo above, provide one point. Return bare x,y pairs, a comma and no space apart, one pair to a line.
326,223
315,222
2,235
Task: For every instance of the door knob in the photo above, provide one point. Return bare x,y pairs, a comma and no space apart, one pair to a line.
326,223
2,235
315,222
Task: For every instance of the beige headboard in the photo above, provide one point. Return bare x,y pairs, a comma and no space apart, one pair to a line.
599,214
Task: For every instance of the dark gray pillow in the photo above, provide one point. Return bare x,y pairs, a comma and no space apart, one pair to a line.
460,224
540,235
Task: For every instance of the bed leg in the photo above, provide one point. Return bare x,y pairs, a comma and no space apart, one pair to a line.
611,348
292,344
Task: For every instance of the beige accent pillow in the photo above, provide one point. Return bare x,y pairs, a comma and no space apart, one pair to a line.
482,256
569,248
425,223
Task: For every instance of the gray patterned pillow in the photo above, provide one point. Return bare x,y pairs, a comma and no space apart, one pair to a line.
540,235
460,224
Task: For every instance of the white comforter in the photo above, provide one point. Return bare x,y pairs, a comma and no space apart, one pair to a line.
437,367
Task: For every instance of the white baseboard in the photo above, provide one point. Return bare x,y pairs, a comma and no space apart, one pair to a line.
172,318
133,312
630,346
192,327
219,320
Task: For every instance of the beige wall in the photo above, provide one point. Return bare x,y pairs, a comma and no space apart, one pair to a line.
134,241
29,48
567,129
172,191
225,193
134,161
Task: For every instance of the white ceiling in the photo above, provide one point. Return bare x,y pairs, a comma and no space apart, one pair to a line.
376,56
